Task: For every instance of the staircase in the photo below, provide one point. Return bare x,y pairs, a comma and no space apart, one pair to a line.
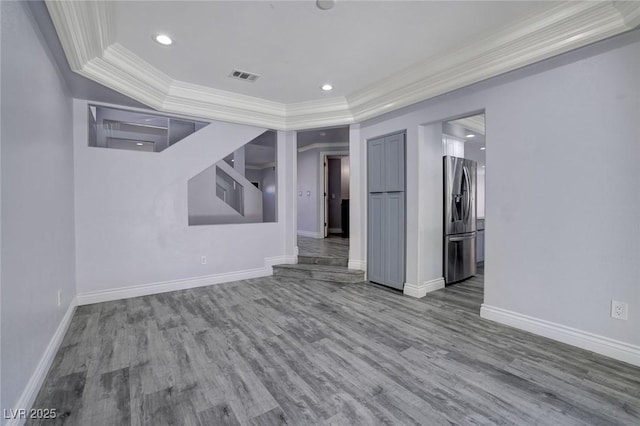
320,268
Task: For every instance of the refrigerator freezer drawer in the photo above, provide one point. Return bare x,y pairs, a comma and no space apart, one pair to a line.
459,257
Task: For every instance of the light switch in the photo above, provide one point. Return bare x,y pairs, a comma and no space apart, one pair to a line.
308,193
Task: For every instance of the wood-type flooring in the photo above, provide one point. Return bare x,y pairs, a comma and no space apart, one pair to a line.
289,351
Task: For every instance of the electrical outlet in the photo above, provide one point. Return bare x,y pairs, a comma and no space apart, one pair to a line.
203,260
619,310
59,298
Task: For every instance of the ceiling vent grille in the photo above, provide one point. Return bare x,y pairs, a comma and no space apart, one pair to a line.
243,75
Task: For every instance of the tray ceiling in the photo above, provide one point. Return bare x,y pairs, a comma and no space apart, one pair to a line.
296,47
379,56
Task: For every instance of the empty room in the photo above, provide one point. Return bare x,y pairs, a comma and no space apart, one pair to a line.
331,212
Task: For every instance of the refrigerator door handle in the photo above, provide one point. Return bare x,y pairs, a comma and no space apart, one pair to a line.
467,180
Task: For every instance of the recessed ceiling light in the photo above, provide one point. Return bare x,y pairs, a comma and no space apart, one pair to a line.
140,144
163,39
470,135
483,148
325,4
326,87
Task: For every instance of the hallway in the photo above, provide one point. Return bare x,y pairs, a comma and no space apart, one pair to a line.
333,246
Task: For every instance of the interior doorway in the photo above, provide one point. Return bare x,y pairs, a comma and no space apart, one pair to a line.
335,218
323,195
464,144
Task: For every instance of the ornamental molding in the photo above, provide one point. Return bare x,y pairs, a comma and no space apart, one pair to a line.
87,33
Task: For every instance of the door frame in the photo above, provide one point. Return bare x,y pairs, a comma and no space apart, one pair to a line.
323,180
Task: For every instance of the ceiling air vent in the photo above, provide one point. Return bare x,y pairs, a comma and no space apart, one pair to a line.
244,75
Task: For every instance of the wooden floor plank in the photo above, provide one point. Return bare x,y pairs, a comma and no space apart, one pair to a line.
295,351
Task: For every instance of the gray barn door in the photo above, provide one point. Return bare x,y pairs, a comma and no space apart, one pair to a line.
386,210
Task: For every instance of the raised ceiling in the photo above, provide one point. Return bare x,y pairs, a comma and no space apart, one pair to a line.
379,56
296,47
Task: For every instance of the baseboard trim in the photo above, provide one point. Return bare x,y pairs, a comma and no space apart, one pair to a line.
183,284
310,234
30,392
359,265
419,291
279,260
592,342
335,230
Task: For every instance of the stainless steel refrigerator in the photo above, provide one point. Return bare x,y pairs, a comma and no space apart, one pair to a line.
459,219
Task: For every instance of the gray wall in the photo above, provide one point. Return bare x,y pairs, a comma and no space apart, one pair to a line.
205,206
254,175
344,177
335,194
267,179
37,200
562,195
132,219
308,189
269,199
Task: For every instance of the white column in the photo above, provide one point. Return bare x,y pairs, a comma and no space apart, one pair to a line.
424,211
357,200
287,200
412,194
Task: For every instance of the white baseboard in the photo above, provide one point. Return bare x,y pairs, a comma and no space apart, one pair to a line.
422,290
279,260
358,265
28,396
310,234
183,284
592,342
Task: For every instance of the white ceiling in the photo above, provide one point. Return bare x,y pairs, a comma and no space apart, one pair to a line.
473,146
379,55
296,47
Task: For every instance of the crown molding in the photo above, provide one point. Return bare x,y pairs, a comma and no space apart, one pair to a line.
316,114
87,33
338,145
553,31
630,11
85,29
